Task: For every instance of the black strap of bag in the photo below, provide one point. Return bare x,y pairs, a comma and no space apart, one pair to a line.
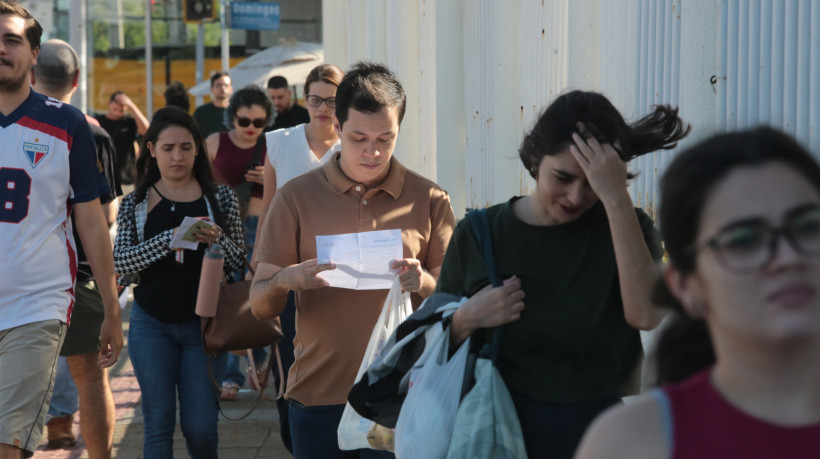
486,350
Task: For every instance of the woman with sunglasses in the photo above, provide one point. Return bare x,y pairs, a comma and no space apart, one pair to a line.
740,215
236,158
292,152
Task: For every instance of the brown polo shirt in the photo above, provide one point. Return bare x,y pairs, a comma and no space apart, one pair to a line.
333,325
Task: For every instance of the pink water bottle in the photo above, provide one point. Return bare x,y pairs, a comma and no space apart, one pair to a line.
209,281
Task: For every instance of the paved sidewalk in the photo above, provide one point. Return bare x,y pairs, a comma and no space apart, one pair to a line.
256,436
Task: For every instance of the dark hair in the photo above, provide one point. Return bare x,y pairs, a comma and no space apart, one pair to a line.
176,96
684,347
114,95
148,170
34,31
277,82
246,97
57,64
366,88
327,73
218,75
553,131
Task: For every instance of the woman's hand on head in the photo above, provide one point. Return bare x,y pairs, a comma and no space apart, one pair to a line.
490,307
603,166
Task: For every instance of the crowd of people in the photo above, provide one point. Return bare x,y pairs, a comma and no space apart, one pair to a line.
738,302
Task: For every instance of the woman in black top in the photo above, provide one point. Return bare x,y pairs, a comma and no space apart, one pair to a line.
174,181
584,257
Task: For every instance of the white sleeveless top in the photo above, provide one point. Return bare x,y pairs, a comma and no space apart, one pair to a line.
290,154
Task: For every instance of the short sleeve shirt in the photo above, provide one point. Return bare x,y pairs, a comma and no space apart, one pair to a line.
333,325
48,163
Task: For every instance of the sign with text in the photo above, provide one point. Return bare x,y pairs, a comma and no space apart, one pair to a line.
254,16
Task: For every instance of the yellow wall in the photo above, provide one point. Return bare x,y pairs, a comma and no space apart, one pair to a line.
111,74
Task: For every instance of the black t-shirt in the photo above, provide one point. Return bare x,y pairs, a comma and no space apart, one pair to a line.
167,289
108,162
210,119
572,342
295,116
123,132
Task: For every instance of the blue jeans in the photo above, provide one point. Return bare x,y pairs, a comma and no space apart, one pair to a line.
313,434
169,362
64,399
233,372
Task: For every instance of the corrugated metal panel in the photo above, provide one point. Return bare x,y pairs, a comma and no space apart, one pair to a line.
769,66
649,49
544,30
478,57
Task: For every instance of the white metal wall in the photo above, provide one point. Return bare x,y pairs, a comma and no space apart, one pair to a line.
478,73
769,66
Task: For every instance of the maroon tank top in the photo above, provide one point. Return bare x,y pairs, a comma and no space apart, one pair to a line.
231,162
702,424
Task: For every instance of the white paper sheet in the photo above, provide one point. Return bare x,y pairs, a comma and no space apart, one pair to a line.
362,259
184,238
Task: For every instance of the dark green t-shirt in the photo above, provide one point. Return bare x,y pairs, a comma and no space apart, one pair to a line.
572,342
210,119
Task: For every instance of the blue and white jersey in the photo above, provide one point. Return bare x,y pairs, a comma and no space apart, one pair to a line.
47,162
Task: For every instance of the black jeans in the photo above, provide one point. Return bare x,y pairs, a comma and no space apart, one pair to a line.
554,430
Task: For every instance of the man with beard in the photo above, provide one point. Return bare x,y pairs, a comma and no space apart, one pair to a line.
288,114
48,170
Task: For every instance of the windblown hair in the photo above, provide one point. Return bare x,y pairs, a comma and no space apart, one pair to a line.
366,88
148,170
685,347
552,133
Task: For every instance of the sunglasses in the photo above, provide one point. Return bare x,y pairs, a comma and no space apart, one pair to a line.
245,122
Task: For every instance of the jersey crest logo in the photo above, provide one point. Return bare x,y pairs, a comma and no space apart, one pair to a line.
35,152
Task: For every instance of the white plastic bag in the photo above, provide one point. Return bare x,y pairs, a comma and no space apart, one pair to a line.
427,416
353,429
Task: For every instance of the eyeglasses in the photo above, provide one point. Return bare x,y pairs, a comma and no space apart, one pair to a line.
245,122
316,101
749,246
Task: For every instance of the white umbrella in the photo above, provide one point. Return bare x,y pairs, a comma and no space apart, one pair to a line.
291,60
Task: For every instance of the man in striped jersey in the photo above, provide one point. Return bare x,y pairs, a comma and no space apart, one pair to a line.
48,169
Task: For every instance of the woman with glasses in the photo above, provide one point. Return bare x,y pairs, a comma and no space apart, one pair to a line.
581,258
740,215
236,158
292,152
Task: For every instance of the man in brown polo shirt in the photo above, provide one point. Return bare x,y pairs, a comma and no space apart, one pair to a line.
364,188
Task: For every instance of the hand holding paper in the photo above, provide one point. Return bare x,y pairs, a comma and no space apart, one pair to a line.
362,259
185,237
